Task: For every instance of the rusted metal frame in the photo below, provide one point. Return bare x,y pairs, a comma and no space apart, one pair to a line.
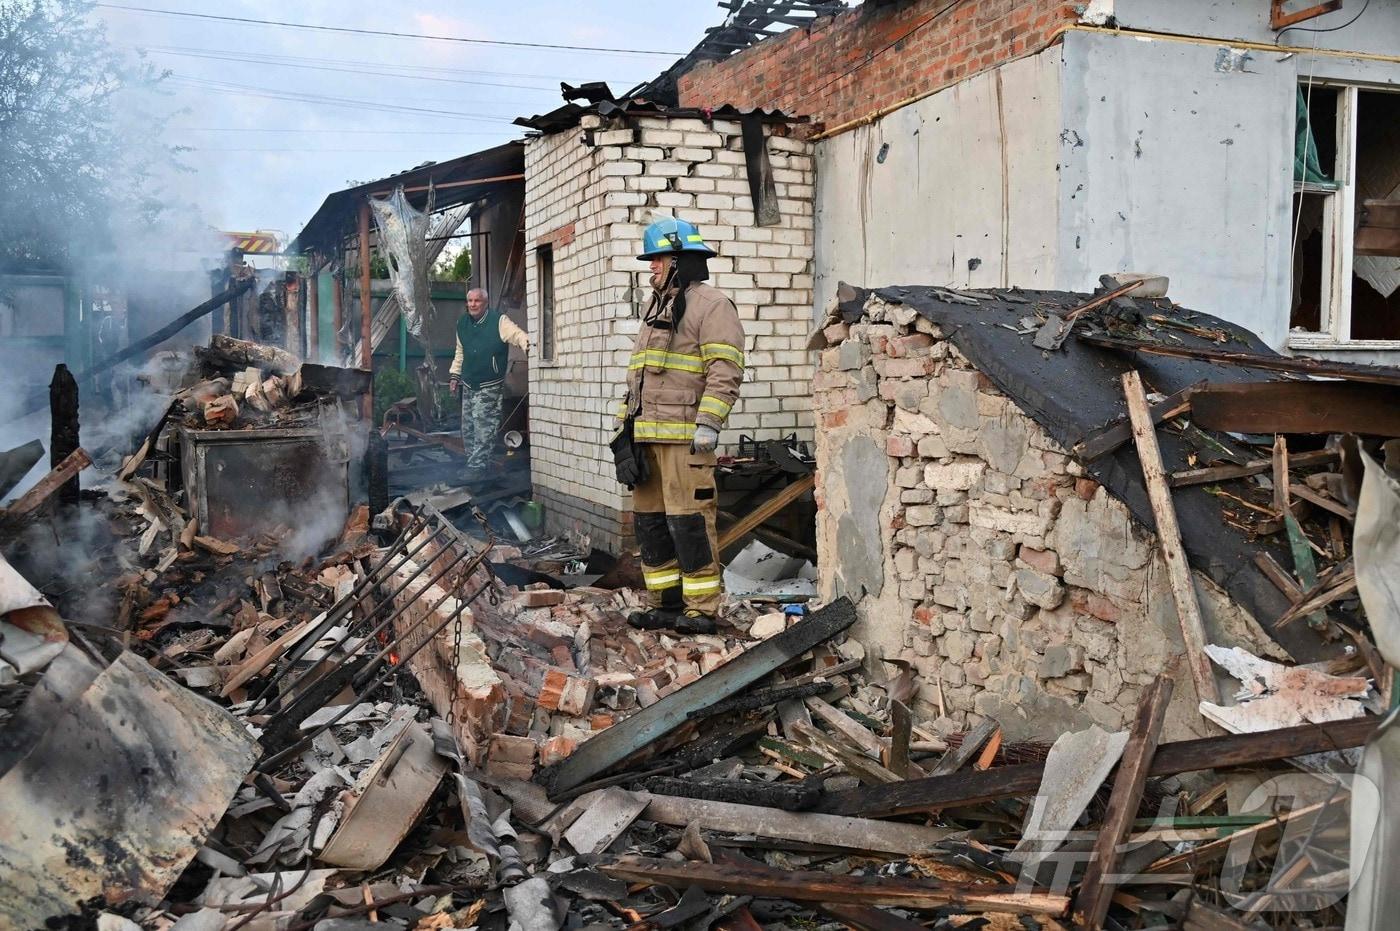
296,686
367,585
361,690
1278,19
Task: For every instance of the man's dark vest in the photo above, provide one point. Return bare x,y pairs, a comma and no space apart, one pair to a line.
484,353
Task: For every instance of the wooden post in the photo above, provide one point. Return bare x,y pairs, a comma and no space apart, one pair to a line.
1100,879
338,313
1193,632
313,310
366,311
63,427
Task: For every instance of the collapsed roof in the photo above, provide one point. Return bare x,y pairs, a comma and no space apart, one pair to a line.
1072,393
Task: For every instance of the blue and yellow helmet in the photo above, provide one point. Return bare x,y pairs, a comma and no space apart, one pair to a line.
670,236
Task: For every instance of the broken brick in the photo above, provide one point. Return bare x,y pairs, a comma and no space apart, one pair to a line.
562,692
556,750
540,598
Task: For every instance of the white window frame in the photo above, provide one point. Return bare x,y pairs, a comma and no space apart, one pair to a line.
1338,238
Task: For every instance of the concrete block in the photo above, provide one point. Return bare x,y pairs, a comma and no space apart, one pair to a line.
956,476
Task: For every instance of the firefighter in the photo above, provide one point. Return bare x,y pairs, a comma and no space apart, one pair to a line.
682,379
478,372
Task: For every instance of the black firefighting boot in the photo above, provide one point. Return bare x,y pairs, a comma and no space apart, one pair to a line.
660,617
694,622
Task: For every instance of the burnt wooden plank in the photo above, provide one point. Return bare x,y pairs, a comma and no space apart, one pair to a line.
1106,439
1298,407
1100,876
619,741
1225,473
1372,374
63,428
968,788
818,886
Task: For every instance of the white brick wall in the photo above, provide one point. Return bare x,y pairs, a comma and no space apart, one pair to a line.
694,170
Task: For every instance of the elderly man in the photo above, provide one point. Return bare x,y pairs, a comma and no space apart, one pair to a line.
683,378
478,371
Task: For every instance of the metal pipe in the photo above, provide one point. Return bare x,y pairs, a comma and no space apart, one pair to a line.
366,311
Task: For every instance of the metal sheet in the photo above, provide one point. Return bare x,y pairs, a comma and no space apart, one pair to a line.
244,482
118,795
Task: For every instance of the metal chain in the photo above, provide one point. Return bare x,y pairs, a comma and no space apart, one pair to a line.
456,654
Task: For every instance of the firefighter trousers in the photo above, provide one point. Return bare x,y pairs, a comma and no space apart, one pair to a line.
674,512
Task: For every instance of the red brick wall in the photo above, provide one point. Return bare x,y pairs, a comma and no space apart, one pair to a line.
900,52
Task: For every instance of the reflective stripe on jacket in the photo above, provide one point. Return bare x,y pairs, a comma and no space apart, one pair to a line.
691,376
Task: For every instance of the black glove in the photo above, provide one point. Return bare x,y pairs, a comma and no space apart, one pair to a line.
627,458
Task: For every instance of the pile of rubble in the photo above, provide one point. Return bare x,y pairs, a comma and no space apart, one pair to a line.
219,734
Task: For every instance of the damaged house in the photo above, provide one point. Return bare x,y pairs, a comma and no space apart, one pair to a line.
595,174
1246,149
1103,632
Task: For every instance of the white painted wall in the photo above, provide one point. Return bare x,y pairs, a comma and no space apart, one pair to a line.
1176,163
966,193
1177,158
1107,153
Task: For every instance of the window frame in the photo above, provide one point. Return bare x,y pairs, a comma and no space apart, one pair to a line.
1338,236
545,296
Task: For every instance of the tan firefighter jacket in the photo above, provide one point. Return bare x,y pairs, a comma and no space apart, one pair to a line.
691,376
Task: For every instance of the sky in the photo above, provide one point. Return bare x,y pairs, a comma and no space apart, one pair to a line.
278,117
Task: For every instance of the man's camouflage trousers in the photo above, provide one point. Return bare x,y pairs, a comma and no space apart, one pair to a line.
481,426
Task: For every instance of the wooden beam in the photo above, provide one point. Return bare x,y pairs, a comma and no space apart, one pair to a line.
1100,876
731,535
820,886
847,726
972,741
1371,374
1327,504
27,503
1193,630
1319,407
1226,473
1243,839
1109,438
1279,576
863,834
972,787
1282,503
1278,19
848,757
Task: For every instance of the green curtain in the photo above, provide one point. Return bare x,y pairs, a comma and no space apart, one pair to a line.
1305,165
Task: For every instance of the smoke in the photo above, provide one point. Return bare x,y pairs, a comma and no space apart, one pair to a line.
101,241
320,518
